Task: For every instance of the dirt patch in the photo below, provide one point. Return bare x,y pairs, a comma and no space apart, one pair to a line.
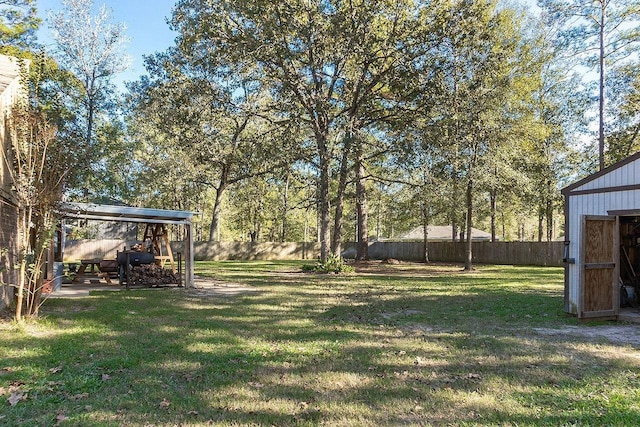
617,334
402,268
206,287
203,287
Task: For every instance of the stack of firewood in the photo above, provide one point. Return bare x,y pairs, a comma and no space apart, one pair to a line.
151,275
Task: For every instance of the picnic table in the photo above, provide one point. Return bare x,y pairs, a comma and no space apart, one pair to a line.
97,267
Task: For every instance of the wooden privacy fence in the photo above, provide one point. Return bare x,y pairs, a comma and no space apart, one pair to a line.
517,253
75,250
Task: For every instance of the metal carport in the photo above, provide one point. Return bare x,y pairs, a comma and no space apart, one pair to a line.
89,211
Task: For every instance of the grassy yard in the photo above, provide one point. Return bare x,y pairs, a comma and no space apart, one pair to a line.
389,345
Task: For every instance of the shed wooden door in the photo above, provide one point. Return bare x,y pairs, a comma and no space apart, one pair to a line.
599,293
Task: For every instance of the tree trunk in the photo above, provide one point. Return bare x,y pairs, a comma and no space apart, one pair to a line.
215,217
338,220
378,218
540,222
603,17
325,205
36,280
549,220
425,235
23,232
362,251
285,209
468,263
21,283
217,206
87,141
494,207
306,226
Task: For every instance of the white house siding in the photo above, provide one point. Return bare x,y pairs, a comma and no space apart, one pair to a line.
597,203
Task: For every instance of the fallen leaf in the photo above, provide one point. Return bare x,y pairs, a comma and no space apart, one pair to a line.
106,377
165,403
79,396
192,413
16,397
420,361
473,376
60,418
56,369
256,384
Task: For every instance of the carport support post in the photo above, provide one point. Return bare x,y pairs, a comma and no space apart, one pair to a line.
189,274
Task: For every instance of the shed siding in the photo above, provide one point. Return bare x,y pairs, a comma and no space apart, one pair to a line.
594,204
624,175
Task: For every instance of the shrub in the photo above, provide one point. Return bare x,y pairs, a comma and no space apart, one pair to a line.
333,264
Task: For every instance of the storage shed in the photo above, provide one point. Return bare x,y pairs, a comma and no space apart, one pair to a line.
602,243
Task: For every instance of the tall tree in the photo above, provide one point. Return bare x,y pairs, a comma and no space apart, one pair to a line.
602,32
18,24
91,47
625,140
478,68
556,117
220,121
38,170
293,45
383,38
327,61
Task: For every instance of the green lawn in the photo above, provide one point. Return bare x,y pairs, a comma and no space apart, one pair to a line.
395,345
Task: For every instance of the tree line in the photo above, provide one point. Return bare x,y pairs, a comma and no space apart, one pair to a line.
405,112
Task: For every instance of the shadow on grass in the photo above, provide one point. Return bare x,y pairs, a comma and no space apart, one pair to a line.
313,350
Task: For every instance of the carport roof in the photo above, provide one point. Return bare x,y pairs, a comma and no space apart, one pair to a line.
124,213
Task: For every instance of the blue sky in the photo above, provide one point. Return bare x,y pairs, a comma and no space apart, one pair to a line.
146,28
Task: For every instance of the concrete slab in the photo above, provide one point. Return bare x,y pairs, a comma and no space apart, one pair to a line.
82,290
202,287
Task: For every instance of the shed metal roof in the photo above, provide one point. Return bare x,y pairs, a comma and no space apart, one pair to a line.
124,213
